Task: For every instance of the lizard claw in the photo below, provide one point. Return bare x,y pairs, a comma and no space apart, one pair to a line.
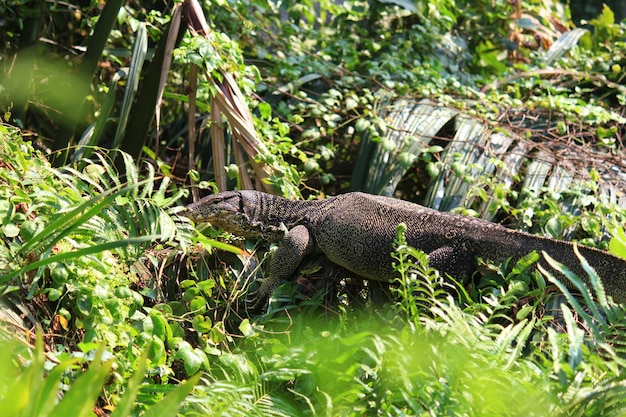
256,301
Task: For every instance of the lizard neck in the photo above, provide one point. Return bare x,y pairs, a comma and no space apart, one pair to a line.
269,217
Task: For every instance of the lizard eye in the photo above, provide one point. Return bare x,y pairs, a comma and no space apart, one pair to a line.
215,199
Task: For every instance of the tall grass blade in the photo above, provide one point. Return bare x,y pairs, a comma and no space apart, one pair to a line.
80,399
79,253
47,395
140,48
192,136
127,402
147,96
170,44
101,32
218,147
578,284
91,136
169,406
68,222
20,397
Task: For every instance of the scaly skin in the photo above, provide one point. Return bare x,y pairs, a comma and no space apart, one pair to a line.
357,231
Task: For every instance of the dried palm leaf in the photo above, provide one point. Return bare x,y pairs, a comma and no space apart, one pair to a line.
230,102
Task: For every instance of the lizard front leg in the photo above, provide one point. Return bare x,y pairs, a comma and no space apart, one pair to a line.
296,244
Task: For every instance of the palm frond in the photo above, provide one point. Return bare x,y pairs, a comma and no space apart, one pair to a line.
231,103
495,158
413,126
565,42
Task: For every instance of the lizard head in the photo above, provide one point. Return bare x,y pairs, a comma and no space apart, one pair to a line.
217,207
232,211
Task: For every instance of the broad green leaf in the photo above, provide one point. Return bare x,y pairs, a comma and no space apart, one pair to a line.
617,244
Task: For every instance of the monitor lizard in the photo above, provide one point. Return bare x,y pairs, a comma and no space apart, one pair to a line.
357,231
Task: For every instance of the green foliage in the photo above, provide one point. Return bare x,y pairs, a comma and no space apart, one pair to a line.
576,361
417,286
357,364
552,203
56,219
590,324
500,356
32,389
491,351
97,250
373,367
71,239
28,393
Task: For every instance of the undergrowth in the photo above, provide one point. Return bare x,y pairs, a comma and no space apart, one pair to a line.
120,302
433,348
